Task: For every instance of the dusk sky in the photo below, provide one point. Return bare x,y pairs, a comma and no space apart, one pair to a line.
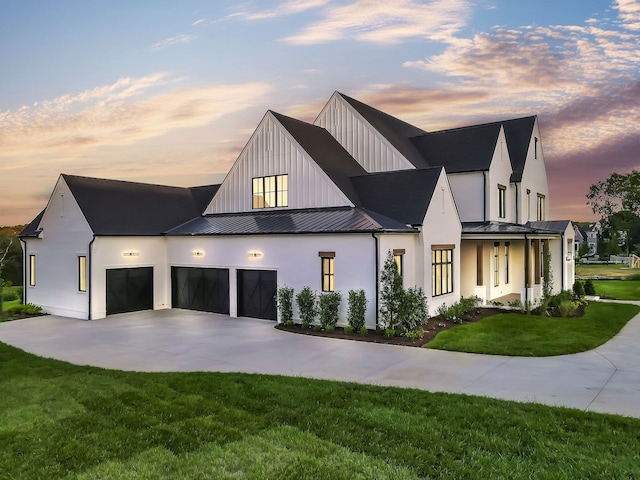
169,92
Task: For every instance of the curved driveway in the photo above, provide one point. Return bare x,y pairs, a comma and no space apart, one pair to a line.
606,379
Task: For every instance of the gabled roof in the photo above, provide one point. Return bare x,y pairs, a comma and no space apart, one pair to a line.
466,149
502,228
559,226
32,230
403,195
114,207
317,220
518,134
393,129
325,150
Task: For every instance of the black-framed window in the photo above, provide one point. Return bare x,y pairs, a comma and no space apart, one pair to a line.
327,270
441,270
502,201
541,200
82,273
398,259
271,191
32,270
496,264
507,247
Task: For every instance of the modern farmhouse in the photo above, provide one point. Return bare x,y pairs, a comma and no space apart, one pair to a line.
463,211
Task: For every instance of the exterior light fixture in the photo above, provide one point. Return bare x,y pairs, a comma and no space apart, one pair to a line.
131,254
197,253
254,255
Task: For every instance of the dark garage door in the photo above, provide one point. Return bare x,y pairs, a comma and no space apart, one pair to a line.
129,289
256,291
204,289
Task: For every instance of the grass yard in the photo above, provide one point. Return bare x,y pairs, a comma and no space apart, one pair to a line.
63,421
6,305
617,271
618,289
535,336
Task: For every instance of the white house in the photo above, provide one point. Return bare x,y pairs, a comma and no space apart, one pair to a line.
464,212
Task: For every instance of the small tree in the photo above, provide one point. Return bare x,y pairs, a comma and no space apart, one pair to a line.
307,306
547,273
356,309
578,289
584,249
284,298
4,251
328,311
391,292
589,289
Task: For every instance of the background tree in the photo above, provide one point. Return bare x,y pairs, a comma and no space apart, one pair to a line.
584,249
391,292
5,247
616,194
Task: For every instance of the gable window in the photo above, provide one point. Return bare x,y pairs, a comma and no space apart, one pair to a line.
502,206
506,261
398,257
496,264
535,151
528,204
82,273
271,191
327,259
540,215
441,269
32,270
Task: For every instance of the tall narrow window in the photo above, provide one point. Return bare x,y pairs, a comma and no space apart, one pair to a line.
398,256
507,245
528,212
441,270
32,270
271,191
535,148
327,266
82,273
496,264
540,215
502,206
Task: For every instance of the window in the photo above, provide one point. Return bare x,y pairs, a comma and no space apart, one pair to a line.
496,264
535,151
540,215
271,191
502,193
398,255
441,270
82,273
32,270
528,204
327,259
507,245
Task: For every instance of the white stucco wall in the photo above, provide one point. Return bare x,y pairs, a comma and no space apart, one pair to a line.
468,191
500,174
66,235
108,253
294,258
534,179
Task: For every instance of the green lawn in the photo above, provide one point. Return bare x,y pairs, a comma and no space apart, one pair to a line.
618,271
70,422
6,305
618,289
535,336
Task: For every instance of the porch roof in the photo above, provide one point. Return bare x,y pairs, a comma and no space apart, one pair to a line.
319,220
503,229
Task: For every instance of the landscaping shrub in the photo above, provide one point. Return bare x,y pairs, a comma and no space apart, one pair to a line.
307,306
578,288
391,292
567,308
329,307
356,309
284,300
413,309
589,289
28,309
10,295
468,304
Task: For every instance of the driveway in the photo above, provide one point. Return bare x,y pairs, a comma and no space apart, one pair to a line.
603,380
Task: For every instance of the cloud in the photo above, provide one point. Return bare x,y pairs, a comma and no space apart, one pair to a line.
172,41
199,22
291,7
629,13
385,22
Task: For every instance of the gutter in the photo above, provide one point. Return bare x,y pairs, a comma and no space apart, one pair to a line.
24,270
484,196
89,290
526,268
562,260
377,264
517,196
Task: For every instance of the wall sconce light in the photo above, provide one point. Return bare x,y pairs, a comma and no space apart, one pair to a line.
131,254
197,253
254,255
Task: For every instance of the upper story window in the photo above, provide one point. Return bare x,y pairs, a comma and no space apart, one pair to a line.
32,270
502,201
540,215
271,191
528,206
398,256
535,148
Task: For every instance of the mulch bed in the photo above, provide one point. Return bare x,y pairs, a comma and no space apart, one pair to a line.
434,326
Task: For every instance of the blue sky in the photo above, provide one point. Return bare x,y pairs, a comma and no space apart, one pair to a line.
169,92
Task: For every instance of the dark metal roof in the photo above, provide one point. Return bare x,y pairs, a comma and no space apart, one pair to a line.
559,226
501,228
394,130
113,207
467,149
320,220
403,195
325,150
32,230
518,134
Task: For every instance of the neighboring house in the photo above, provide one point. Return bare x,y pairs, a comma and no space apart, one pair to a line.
464,211
578,239
590,234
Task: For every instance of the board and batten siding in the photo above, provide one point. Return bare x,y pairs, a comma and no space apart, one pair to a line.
272,150
359,138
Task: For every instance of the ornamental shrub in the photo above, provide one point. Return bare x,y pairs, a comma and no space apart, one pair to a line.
391,292
357,307
329,307
307,306
589,289
413,309
284,300
578,288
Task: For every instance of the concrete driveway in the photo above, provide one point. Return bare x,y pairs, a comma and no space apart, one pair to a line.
603,380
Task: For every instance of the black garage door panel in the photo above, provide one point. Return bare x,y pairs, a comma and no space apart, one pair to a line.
129,289
256,292
203,289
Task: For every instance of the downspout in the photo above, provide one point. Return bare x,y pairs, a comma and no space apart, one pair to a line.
89,290
562,259
484,195
24,270
517,196
526,268
377,264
